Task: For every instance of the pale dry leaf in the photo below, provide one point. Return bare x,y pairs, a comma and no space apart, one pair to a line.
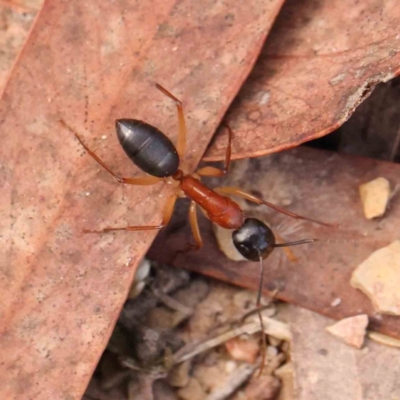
379,276
350,330
384,339
375,196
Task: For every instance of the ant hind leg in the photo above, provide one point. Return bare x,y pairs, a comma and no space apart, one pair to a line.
212,171
141,181
167,214
238,192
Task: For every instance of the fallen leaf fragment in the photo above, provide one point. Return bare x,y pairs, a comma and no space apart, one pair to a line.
285,374
193,391
222,386
375,195
225,243
379,276
350,330
277,329
243,349
179,375
141,276
384,339
336,302
265,388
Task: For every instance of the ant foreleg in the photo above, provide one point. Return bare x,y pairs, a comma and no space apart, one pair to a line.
254,199
195,226
142,181
167,214
195,231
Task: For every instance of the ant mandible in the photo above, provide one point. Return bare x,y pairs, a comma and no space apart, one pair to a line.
154,153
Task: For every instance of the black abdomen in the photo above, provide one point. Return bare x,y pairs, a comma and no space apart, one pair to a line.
147,147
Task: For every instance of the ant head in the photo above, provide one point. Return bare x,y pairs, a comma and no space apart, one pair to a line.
254,239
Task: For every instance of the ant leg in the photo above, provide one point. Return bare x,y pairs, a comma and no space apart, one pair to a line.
195,226
145,180
195,230
254,199
181,144
258,306
167,214
212,171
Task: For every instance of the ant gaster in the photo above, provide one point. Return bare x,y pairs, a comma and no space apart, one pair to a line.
153,152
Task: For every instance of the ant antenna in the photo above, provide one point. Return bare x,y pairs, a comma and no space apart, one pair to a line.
255,241
296,243
258,306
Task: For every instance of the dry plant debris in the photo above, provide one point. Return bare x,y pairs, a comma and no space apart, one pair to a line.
190,355
375,196
286,375
350,330
379,276
243,349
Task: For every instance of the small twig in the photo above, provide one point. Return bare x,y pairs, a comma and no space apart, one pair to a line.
273,327
241,374
171,303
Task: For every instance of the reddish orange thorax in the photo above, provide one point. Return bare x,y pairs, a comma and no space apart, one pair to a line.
221,210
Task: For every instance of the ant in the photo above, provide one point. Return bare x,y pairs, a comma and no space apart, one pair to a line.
154,153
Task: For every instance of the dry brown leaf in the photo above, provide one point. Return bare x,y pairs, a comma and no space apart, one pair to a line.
322,59
15,22
90,63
